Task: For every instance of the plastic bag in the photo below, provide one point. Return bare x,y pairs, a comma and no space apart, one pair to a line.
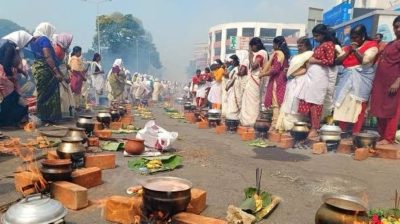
156,137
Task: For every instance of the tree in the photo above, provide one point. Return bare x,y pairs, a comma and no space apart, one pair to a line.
8,26
123,36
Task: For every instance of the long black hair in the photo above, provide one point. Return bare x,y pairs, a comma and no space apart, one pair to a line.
332,32
396,20
324,31
257,42
360,30
235,60
76,50
96,56
282,45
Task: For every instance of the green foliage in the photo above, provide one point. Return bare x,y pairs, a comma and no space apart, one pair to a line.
123,36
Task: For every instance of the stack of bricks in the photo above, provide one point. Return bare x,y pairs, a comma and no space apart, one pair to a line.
220,129
248,134
283,141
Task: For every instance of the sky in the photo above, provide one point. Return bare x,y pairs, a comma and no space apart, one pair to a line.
176,25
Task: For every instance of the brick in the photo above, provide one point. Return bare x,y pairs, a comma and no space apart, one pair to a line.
87,177
190,117
70,195
52,154
103,133
388,151
274,136
93,141
286,142
116,125
220,129
127,120
119,209
98,126
25,181
189,218
319,148
345,147
102,161
361,154
202,124
241,129
248,135
197,202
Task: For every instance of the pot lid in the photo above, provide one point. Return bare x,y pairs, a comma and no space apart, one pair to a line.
328,127
167,184
366,135
300,123
36,208
345,202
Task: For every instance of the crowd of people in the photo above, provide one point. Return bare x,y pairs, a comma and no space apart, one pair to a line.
63,83
326,81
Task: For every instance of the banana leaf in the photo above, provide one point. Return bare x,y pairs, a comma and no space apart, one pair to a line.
170,162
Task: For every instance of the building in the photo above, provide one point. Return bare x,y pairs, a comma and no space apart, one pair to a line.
199,59
314,18
220,36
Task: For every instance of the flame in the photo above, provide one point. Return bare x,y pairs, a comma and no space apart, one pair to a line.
26,152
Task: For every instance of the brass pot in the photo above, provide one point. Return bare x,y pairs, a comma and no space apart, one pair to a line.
300,131
330,133
70,145
365,140
86,122
122,110
341,209
77,133
170,195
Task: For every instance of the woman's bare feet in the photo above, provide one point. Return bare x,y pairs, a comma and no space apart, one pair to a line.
383,142
313,134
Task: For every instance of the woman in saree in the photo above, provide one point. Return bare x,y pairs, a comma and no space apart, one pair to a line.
276,69
288,113
61,44
116,80
355,83
78,76
215,94
47,74
96,75
13,108
315,87
233,90
385,97
251,99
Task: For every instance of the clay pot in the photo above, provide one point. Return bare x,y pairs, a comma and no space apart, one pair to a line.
134,146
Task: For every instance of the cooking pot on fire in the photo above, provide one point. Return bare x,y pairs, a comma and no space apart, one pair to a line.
330,133
365,140
170,195
86,122
37,208
214,114
300,131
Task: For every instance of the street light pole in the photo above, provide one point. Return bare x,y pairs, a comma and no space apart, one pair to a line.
97,2
137,55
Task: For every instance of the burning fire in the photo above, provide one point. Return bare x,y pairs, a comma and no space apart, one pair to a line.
26,152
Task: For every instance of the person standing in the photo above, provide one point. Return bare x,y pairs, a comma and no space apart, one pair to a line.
157,90
234,90
47,74
78,76
96,75
355,83
288,113
385,97
251,100
13,108
276,69
215,94
194,87
61,43
116,79
314,90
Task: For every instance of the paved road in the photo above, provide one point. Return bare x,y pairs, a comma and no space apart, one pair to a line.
223,166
